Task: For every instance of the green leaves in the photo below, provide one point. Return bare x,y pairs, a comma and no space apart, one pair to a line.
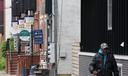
3,48
2,63
2,55
11,42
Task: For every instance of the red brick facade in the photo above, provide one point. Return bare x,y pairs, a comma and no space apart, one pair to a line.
16,62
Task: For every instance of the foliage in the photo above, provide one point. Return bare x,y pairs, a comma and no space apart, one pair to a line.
2,63
11,42
3,52
2,55
3,48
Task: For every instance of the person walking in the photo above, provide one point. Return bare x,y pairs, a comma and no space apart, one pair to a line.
104,63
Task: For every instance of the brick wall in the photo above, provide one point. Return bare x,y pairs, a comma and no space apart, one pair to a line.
11,63
25,62
15,62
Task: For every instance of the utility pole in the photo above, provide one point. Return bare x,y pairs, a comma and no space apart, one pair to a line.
55,25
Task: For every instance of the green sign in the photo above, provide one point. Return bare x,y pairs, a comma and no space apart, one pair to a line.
24,35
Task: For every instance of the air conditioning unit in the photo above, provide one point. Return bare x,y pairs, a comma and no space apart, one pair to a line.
120,68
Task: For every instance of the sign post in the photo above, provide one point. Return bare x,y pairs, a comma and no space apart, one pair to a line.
38,37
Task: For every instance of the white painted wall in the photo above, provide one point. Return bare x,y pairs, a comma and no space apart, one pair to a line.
7,18
68,31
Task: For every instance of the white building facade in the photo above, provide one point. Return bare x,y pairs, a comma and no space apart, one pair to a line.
7,17
68,33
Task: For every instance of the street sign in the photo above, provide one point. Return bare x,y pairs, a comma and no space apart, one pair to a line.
38,37
25,35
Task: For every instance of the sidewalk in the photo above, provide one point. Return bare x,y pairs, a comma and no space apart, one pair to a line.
2,73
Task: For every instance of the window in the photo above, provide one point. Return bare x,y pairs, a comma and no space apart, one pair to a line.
109,14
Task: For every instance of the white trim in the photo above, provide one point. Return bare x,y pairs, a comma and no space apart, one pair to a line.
121,57
86,53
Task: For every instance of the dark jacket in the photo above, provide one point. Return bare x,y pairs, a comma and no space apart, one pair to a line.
104,64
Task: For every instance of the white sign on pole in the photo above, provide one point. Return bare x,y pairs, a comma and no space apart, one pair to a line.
29,20
21,21
14,28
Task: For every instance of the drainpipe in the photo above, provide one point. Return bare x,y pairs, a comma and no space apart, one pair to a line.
55,25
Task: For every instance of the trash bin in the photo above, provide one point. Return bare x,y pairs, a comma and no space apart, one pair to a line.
23,71
45,72
42,72
32,68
